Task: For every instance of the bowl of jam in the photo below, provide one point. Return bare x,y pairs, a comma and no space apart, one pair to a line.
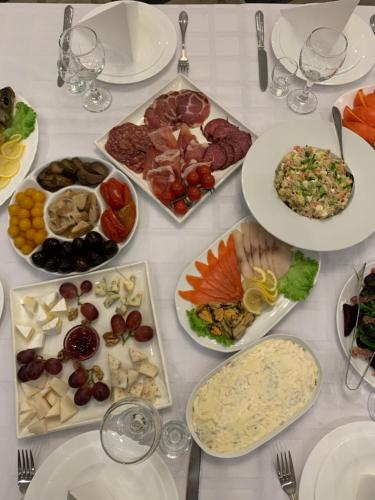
81,342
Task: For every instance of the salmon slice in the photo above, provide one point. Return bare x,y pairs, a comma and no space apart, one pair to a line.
211,258
202,268
197,298
194,281
210,286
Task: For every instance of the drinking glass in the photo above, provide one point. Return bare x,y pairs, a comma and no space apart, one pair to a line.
321,56
284,70
131,431
82,57
73,84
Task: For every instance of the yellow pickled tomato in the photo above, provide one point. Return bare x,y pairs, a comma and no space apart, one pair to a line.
30,234
13,209
39,196
14,221
30,192
40,236
26,202
19,241
37,211
26,249
23,213
13,231
25,224
38,222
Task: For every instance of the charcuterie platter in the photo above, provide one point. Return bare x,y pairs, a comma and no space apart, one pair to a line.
178,146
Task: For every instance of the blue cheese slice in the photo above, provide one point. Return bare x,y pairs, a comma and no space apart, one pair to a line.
137,388
119,378
129,284
136,356
113,363
118,393
26,331
135,300
148,369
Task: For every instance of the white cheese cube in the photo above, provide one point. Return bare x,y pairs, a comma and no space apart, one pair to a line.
150,390
26,331
54,411
129,283
24,407
136,355
67,409
51,398
50,300
137,389
37,341
59,386
38,427
39,383
26,418
114,363
53,327
134,301
30,304
148,369
132,376
119,378
41,315
28,389
60,307
118,393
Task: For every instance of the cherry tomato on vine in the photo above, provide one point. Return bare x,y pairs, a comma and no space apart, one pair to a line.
208,181
203,170
178,188
167,197
194,193
180,207
193,178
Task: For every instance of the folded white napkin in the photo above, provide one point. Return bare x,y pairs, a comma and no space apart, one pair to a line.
304,19
118,29
366,488
93,490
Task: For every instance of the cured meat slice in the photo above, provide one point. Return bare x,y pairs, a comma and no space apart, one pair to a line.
162,111
194,151
170,158
128,144
161,179
236,149
216,154
222,131
184,138
163,139
192,107
149,163
243,139
229,152
211,126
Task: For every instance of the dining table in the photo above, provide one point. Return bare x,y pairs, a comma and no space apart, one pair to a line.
221,44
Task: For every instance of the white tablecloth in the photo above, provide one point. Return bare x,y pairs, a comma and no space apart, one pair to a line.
222,48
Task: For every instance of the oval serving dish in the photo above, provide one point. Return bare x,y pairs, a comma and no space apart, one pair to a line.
253,446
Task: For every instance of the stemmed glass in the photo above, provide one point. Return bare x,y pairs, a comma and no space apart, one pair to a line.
131,431
82,58
322,55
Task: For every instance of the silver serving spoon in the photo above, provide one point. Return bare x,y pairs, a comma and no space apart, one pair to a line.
336,114
372,22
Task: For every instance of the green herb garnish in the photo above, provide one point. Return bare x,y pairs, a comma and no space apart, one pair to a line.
23,122
299,279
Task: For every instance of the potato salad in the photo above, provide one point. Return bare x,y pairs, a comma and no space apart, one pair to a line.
313,182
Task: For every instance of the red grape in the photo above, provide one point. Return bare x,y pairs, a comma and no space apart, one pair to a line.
68,291
180,207
22,374
89,311
86,286
26,356
193,178
53,366
35,369
78,378
194,193
178,188
133,320
118,324
208,181
82,396
100,391
143,333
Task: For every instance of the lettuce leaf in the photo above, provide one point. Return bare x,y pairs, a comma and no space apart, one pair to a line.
200,327
299,279
23,122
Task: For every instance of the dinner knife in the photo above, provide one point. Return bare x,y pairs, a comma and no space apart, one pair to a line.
192,489
68,21
262,54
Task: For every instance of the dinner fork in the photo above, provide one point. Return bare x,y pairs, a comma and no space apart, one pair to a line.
183,62
26,469
285,472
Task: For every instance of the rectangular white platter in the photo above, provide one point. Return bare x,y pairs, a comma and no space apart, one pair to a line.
217,111
93,411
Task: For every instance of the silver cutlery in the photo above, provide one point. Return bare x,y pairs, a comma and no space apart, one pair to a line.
372,23
183,62
192,489
262,54
286,475
68,21
338,125
26,469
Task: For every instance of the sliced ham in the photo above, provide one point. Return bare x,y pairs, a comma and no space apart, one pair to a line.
170,158
193,108
163,139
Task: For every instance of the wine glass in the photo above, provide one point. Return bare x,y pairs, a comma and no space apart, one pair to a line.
131,431
82,57
321,56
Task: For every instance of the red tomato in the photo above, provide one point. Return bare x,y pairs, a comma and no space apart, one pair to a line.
114,193
208,181
127,196
193,178
194,193
178,188
112,227
203,170
167,197
180,207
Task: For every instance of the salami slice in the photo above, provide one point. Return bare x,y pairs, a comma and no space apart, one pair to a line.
211,126
128,144
229,152
222,131
236,149
242,138
216,154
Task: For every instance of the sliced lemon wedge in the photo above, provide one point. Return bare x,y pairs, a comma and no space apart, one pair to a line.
10,168
253,300
270,280
4,181
259,274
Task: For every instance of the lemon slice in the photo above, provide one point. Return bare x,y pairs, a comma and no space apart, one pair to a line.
4,181
12,151
270,280
259,274
271,298
10,169
253,300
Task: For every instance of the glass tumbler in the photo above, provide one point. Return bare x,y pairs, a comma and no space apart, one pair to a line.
283,72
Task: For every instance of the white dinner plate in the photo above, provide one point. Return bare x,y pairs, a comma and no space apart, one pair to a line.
262,325
82,459
344,454
360,55
159,41
350,290
347,99
335,233
27,159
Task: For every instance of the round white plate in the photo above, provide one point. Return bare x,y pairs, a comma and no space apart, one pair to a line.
340,451
26,161
348,98
261,326
348,291
82,459
360,56
335,233
159,41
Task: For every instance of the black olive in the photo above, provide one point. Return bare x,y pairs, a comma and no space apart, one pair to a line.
66,249
370,280
51,247
94,241
78,246
65,265
39,258
110,249
81,264
52,264
94,258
